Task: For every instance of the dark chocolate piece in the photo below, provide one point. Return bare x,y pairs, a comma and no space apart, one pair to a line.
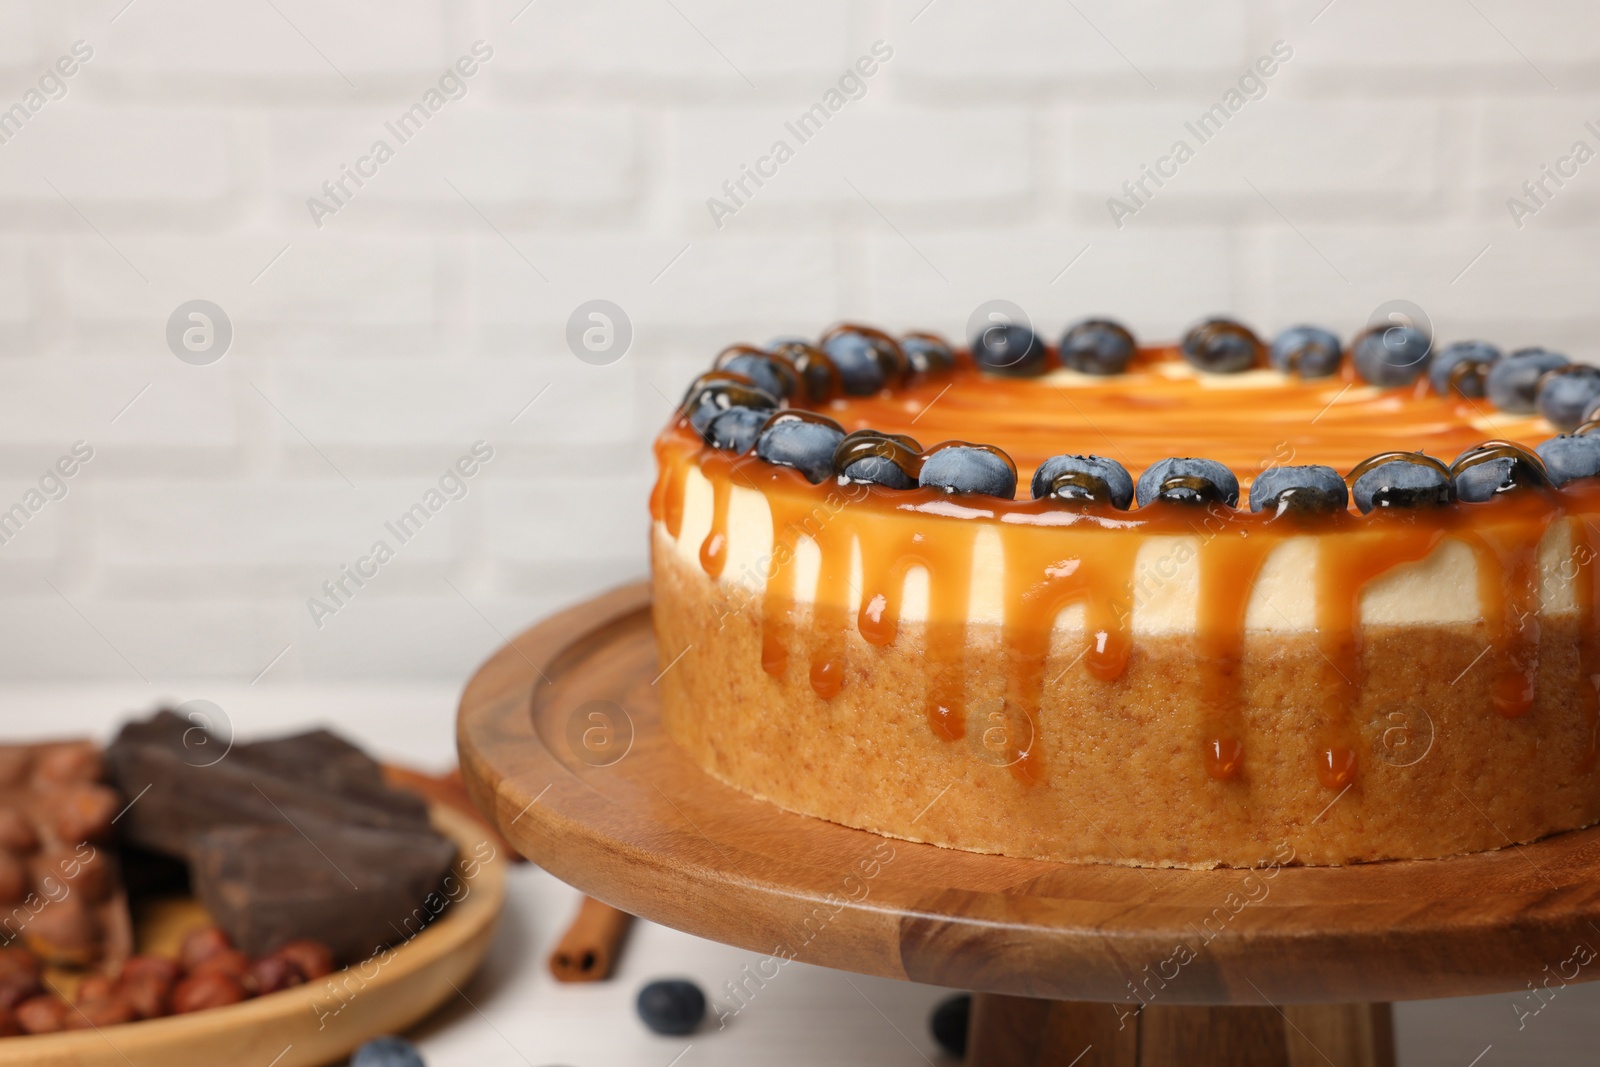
297,779
294,837
354,889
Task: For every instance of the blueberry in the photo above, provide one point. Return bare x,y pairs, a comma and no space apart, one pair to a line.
867,360
387,1052
1011,349
874,458
1085,478
1460,367
818,376
1513,383
1188,481
1221,346
1570,456
712,394
1312,488
769,373
1413,481
1097,346
927,355
948,1023
672,1006
735,430
1306,351
958,468
1389,356
1495,467
806,444
1566,393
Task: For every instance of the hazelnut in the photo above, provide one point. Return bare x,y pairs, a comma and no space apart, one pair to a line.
14,880
84,813
16,831
19,977
163,968
269,974
43,1014
65,931
314,959
201,991
109,1012
230,961
14,991
15,763
72,761
94,989
199,945
146,993
9,1027
86,870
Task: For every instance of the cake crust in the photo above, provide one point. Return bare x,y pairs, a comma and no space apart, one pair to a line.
1114,778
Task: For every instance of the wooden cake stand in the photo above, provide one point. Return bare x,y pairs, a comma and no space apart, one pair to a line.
562,748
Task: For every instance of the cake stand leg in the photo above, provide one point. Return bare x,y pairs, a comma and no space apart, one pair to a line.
1023,1032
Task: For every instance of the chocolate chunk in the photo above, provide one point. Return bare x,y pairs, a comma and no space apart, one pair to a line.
356,889
267,783
294,837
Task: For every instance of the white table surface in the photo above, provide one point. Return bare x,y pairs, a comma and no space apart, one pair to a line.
513,1012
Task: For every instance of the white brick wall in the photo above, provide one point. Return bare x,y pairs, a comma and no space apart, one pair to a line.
373,351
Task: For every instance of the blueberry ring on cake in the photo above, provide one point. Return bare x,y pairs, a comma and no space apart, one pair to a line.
1167,605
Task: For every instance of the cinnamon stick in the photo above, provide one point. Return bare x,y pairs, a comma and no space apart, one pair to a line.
588,951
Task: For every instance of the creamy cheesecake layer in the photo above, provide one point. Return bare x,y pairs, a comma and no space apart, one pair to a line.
1442,588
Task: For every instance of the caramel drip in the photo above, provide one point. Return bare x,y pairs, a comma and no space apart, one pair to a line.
714,549
945,555
1229,566
666,499
1508,587
1344,571
829,611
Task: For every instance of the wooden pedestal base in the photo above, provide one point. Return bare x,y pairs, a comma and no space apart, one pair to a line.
1022,1032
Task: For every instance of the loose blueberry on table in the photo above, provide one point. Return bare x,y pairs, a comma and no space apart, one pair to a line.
671,1006
387,1052
950,1022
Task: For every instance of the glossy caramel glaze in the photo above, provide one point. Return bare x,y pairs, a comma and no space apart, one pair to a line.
1160,407
1060,555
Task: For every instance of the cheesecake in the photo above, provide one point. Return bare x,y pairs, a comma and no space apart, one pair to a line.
1189,604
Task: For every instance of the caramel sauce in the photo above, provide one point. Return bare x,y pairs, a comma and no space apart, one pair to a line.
1084,557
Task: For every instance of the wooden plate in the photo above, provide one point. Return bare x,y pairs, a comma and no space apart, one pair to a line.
654,835
309,1025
